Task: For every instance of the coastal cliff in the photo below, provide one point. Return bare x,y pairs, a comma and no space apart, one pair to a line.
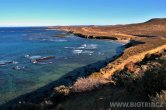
143,62
149,37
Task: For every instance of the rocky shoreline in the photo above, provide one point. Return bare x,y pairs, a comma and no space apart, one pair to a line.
129,80
37,96
96,79
142,54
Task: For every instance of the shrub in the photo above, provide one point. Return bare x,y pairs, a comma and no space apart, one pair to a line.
125,78
151,81
131,67
87,84
154,80
63,90
161,99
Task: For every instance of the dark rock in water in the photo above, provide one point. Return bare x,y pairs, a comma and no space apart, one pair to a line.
42,60
45,58
4,63
9,62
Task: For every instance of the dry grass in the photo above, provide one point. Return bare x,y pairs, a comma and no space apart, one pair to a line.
134,89
151,36
88,84
63,90
152,28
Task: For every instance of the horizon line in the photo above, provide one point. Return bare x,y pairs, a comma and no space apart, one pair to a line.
77,24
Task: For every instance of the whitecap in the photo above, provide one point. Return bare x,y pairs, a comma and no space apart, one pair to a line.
34,57
84,45
88,52
57,40
34,61
15,62
91,46
77,51
100,53
69,47
88,46
19,68
27,56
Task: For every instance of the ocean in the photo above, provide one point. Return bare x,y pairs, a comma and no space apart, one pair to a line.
32,57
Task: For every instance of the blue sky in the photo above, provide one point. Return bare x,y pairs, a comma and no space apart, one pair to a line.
77,12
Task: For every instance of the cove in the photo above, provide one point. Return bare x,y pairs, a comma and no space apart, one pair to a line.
32,58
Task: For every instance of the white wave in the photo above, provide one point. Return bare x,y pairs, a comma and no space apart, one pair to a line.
83,52
77,51
34,57
88,46
100,53
69,47
54,40
15,62
88,52
91,46
19,68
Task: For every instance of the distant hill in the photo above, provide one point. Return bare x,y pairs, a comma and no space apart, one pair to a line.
152,28
157,21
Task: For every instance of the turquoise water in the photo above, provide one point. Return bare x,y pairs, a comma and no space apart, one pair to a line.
33,57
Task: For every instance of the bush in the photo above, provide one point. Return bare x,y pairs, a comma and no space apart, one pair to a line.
154,80
125,78
87,84
161,99
62,90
